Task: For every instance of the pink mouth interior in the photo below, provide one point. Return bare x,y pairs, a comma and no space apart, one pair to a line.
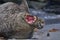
30,19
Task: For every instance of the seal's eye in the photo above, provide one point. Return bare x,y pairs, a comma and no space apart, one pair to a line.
30,19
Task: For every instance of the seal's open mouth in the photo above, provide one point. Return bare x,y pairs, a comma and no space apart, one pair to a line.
30,19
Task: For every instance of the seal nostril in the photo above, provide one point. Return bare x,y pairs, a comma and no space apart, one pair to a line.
39,25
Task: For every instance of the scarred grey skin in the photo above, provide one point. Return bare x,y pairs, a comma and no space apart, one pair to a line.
12,22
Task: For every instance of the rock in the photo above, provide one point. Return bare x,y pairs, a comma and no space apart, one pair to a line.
42,0
37,5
